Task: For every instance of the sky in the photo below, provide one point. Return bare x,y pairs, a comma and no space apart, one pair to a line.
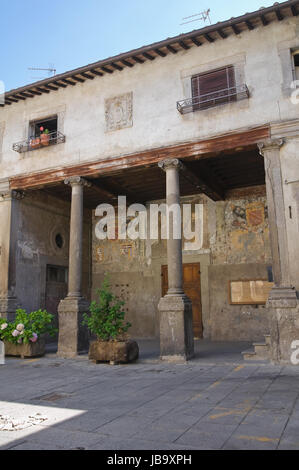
65,34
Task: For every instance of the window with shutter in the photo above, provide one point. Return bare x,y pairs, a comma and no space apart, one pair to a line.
213,88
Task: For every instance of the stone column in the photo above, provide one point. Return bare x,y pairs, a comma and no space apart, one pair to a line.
73,338
10,218
283,293
176,321
282,302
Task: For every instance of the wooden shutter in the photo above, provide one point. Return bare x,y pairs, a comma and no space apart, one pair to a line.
218,83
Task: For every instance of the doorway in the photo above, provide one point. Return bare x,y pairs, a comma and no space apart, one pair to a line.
192,288
56,289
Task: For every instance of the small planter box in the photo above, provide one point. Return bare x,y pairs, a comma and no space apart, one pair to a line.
25,350
113,351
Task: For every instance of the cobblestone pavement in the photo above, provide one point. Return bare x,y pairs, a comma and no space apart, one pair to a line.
51,403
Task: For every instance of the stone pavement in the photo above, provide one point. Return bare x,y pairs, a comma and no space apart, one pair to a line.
74,404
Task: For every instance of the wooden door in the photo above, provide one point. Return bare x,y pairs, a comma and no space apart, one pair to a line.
56,289
191,283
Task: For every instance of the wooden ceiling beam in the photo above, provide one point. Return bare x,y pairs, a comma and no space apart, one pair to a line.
209,38
78,79
235,29
116,66
203,184
279,15
43,90
105,69
26,94
96,72
68,81
196,42
52,87
138,60
172,49
249,25
37,93
148,56
184,45
264,20
18,97
127,63
160,53
221,33
61,85
87,75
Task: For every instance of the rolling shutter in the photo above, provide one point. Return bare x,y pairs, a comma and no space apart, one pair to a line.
213,88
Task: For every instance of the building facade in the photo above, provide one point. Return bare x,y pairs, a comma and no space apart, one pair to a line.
209,118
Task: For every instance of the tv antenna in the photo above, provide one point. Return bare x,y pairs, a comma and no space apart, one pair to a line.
202,16
51,71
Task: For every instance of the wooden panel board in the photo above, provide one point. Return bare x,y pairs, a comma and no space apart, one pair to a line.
249,292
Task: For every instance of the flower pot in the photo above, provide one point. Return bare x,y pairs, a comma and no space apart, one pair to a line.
35,143
45,139
113,351
25,350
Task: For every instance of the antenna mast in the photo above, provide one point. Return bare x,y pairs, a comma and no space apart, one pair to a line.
51,70
203,16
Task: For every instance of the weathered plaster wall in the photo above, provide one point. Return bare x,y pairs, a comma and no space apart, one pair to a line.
235,245
156,87
41,218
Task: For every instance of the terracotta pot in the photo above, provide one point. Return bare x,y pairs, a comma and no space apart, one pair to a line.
113,351
45,139
25,350
35,143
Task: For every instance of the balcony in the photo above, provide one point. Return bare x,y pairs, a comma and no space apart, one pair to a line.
211,100
44,141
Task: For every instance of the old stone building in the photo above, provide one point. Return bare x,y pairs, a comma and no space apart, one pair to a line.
210,117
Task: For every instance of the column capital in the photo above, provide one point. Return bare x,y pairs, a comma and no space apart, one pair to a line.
12,194
269,145
77,181
170,163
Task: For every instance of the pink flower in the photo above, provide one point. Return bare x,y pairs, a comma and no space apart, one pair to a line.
4,326
15,333
34,338
20,340
20,327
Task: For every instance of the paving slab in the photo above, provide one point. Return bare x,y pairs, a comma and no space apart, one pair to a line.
216,401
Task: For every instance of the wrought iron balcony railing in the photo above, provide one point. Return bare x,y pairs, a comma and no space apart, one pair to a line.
210,100
43,141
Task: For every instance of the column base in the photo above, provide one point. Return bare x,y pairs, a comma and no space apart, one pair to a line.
282,297
284,324
73,337
176,328
8,306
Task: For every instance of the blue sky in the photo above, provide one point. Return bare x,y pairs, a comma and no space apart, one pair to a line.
73,33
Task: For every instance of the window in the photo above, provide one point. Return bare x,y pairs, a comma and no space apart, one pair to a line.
296,64
213,88
42,133
36,128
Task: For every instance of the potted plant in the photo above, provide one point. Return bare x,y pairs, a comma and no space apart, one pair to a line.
24,336
34,142
106,321
44,137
